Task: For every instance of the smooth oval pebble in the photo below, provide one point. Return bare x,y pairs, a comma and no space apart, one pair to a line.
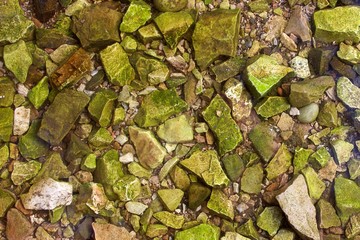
308,113
170,5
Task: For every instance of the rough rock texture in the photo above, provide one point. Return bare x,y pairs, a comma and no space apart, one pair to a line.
220,204
176,130
200,232
101,106
18,226
279,163
105,231
6,123
299,24
271,106
297,206
21,120
136,16
348,92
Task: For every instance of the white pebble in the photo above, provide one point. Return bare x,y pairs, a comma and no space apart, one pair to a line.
127,158
21,120
122,139
294,111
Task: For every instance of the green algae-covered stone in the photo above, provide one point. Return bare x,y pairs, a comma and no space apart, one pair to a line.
62,53
206,165
180,178
280,163
89,163
342,150
170,5
156,230
145,143
61,115
170,219
233,236
7,200
171,198
101,106
271,106
100,138
117,65
328,115
327,214
149,33
248,229
6,123
348,92
119,115
200,232
39,93
18,59
173,25
315,185
127,187
4,154
284,234
301,158
108,171
220,204
263,73
354,168
97,26
30,145
353,226
320,158
167,167
159,106
218,117
139,171
347,198
229,68
176,130
216,33
234,166
270,220
263,137
197,193
151,71
129,44
337,24
53,167
76,149
348,53
7,92
310,90
24,171
137,14
252,178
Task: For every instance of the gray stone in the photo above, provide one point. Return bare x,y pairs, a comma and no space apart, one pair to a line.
348,92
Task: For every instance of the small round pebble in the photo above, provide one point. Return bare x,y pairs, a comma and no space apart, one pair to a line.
308,113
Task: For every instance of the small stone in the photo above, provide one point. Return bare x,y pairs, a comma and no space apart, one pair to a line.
270,220
342,150
248,229
216,33
39,93
233,236
252,178
137,208
42,234
199,232
21,120
105,231
18,226
128,187
18,59
337,24
149,33
47,194
219,119
319,59
156,230
139,171
197,193
100,138
137,14
7,92
220,204
44,10
89,163
342,68
288,42
170,219
53,37
353,226
7,200
348,92
297,206
298,24
171,198
315,185
24,171
280,163
4,155
168,166
327,215
271,106
349,53
170,5
300,66
206,165
101,106
354,168
176,130
308,113
151,71
62,53
347,198
320,158
234,166
229,68
328,115
309,90
284,234
316,137
117,65
6,123
158,106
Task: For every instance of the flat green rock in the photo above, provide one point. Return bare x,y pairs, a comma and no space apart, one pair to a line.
173,25
167,167
301,158
309,90
171,198
342,150
197,194
200,232
234,166
206,165
137,14
7,92
156,230
229,68
24,171
101,106
220,204
117,65
6,124
353,227
39,93
158,106
151,71
180,178
328,115
218,117
216,33
327,214
347,198
348,53
280,163
270,220
7,200
145,143
248,229
320,158
18,59
149,33
315,185
176,130
348,92
139,171
61,115
170,219
100,138
252,178
354,168
127,187
263,73
337,24
4,154
271,106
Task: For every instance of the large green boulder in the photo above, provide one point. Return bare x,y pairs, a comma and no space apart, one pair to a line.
200,232
6,124
137,14
101,106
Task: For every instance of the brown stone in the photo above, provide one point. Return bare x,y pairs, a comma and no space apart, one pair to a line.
109,231
18,226
299,25
45,9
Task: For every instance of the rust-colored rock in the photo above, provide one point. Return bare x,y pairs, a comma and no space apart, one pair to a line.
18,226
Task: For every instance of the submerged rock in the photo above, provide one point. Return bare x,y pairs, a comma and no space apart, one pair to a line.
197,193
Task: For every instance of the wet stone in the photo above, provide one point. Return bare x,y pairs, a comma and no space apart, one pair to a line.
328,115
61,115
24,171
127,188
216,33
220,204
39,93
197,193
136,16
234,166
6,124
170,219
342,150
229,68
200,232
7,92
327,215
206,165
6,202
315,185
170,5
101,106
271,106
270,220
218,117
252,178
349,53
151,71
263,74
171,198
18,226
104,231
348,92
308,113
280,163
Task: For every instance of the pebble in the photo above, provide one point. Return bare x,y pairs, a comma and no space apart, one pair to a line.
21,120
127,158
308,113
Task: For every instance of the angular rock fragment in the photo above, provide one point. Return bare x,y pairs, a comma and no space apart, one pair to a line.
248,229
104,231
349,53
47,194
171,198
24,171
348,92
7,200
342,150
4,154
100,138
252,178
319,59
170,5
180,178
270,220
62,53
220,204
149,33
354,168
320,158
297,206
127,187
227,132
300,66
327,214
53,38
101,106
44,10
151,71
200,232
6,124
7,92
284,234
21,120
61,115
233,236
197,193
206,165
234,166
170,219
156,230
298,24
342,68
229,68
315,185
271,106
137,208
328,115
280,163
176,130
18,226
39,93
137,14
353,226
